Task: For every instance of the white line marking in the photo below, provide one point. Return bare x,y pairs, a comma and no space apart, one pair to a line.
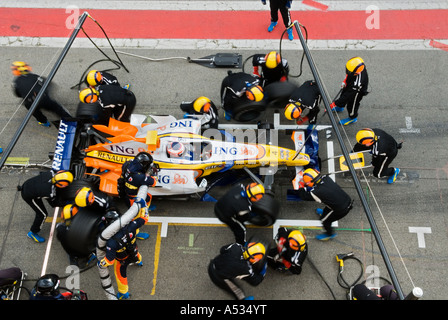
330,154
50,241
420,231
165,221
297,5
221,44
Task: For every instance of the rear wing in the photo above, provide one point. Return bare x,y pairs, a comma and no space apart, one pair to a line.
64,145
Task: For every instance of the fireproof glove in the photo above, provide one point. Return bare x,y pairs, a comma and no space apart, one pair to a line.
141,202
263,1
104,263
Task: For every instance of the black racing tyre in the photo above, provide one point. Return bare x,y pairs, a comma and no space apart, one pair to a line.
83,232
266,210
250,111
91,112
277,94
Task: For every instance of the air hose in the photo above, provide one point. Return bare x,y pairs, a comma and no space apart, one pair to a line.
118,63
341,258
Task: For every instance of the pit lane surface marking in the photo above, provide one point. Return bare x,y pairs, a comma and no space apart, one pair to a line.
304,5
179,25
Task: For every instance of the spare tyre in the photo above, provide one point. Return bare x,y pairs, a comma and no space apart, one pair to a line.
277,94
265,211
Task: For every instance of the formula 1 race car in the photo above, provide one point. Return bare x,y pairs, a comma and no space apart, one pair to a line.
98,151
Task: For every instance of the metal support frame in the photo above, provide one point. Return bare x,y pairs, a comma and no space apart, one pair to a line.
327,102
45,85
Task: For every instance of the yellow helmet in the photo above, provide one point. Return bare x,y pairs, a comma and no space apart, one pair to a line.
366,137
62,179
89,95
202,104
255,93
19,68
296,240
355,65
254,252
272,59
293,110
94,78
310,176
69,211
84,197
255,191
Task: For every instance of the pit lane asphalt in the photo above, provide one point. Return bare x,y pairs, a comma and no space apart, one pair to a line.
408,99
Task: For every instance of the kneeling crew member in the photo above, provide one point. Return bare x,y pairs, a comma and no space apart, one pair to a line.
383,147
290,251
238,262
235,208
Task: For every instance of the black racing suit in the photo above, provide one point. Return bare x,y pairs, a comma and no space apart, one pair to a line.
355,89
383,151
282,257
117,102
337,202
230,265
27,87
308,94
268,76
233,89
234,208
33,191
277,5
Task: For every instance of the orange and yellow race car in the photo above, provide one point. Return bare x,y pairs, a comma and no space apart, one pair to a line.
100,151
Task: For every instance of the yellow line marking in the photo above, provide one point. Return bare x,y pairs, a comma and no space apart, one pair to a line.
156,257
17,160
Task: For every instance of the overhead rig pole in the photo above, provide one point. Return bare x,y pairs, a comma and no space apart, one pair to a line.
326,101
45,85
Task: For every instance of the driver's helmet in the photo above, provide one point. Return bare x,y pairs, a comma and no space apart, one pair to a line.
175,149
